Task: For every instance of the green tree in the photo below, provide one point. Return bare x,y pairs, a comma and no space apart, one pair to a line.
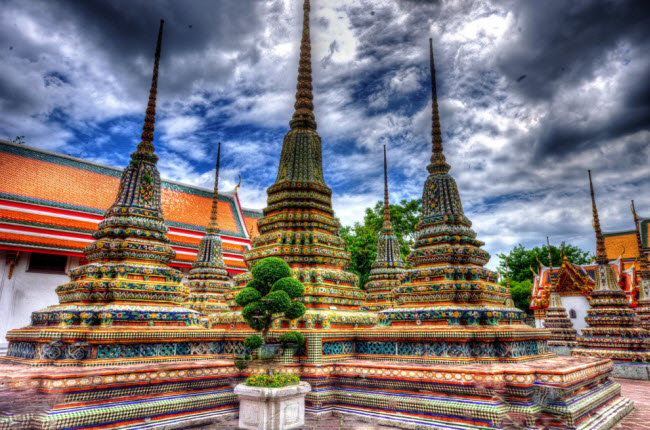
521,292
361,238
520,260
269,296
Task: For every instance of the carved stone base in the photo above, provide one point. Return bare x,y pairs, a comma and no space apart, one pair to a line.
272,408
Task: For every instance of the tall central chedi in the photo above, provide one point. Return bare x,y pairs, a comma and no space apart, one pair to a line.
299,225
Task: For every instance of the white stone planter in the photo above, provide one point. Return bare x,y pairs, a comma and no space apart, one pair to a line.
272,408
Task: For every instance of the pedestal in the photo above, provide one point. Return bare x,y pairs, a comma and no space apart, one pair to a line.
272,408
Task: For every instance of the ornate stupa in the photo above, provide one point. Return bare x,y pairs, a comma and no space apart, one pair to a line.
563,335
614,329
127,291
208,279
121,339
448,286
643,277
299,224
388,267
455,340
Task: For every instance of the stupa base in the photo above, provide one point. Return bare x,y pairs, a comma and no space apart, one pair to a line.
574,392
170,395
631,371
561,348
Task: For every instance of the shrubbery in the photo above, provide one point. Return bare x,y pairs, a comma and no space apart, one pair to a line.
270,296
275,381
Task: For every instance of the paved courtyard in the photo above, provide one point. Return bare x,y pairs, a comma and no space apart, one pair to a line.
639,419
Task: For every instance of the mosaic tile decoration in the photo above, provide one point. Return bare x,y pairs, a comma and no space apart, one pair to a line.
614,330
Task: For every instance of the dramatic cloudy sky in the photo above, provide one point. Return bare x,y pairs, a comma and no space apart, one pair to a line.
532,94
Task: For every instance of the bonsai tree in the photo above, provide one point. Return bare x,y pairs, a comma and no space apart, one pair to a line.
270,296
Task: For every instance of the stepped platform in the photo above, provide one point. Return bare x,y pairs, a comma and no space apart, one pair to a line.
138,396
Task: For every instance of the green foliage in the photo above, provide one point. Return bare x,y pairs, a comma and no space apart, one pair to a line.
241,363
296,310
275,381
292,337
270,270
253,341
361,239
263,287
261,307
276,302
521,292
293,287
520,259
254,313
247,295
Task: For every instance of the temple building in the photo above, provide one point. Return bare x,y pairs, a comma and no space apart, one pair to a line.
614,329
575,282
388,267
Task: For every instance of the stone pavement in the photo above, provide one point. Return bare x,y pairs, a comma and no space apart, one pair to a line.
637,391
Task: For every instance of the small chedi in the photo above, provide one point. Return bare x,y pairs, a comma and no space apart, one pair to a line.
389,266
614,329
643,299
123,313
208,279
563,335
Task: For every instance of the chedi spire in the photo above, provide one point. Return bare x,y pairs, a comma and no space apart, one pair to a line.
438,161
303,117
146,148
601,256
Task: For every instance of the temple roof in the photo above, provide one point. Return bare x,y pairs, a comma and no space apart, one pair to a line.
53,203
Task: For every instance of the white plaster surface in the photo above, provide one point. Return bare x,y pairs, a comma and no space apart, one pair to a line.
272,408
580,304
26,292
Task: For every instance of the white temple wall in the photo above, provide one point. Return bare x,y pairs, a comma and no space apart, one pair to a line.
26,292
580,305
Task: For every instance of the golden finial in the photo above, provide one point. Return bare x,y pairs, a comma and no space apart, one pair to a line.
507,275
540,263
601,256
531,269
643,266
622,252
145,147
387,227
213,226
303,117
238,184
438,161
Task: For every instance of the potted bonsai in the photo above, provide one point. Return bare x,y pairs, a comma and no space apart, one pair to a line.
269,400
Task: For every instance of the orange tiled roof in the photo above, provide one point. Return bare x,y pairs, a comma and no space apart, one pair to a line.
53,202
615,244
